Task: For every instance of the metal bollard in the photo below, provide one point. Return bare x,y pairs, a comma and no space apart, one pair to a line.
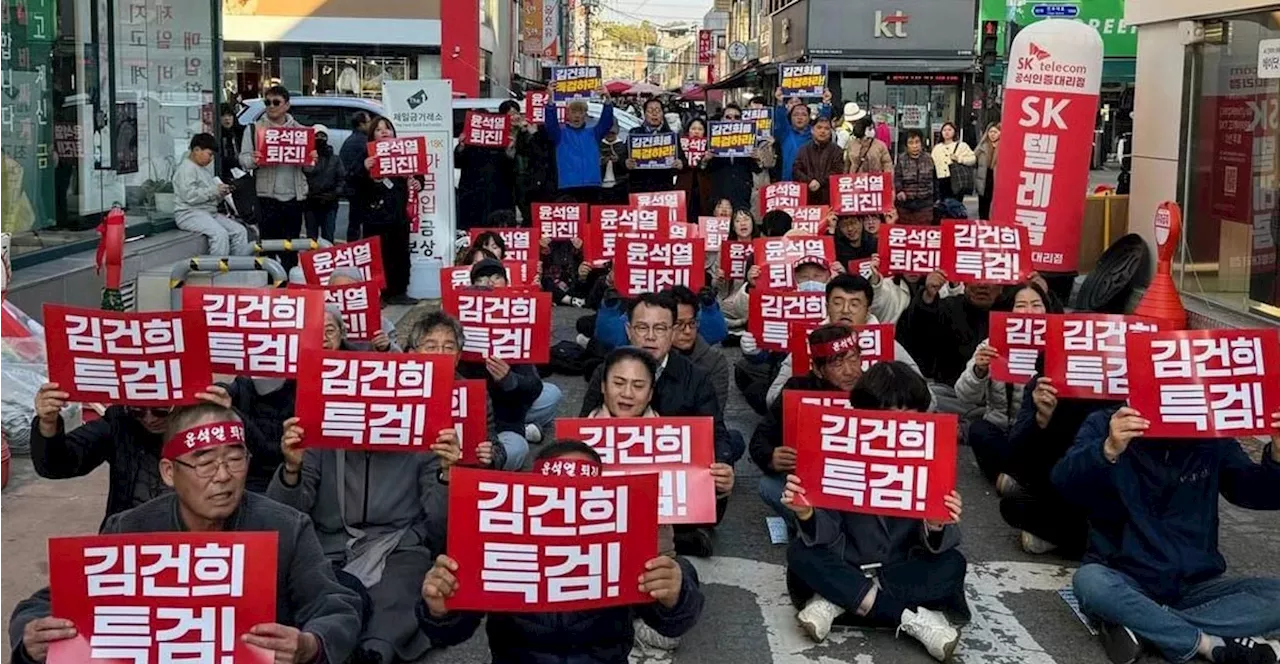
178,276
300,244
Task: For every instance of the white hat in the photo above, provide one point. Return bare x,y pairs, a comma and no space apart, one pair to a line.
320,129
853,112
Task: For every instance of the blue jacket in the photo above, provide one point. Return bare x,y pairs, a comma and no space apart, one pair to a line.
1153,514
789,140
578,150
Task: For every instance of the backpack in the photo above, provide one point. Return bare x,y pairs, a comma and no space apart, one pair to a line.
568,359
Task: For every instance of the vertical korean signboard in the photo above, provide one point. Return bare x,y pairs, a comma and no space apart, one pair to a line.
424,108
1051,96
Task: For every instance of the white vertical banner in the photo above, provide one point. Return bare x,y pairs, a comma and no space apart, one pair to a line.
551,29
424,108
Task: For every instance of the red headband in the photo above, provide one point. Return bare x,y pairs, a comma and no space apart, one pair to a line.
568,468
201,436
834,348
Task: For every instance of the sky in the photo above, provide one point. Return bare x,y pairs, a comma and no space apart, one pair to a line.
656,11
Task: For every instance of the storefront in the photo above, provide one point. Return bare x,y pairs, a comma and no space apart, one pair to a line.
101,99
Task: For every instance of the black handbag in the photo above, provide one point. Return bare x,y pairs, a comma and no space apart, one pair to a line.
961,176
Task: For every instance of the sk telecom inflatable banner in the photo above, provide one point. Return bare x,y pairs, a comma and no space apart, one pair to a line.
1050,100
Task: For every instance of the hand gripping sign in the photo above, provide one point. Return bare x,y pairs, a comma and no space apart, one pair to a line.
910,249
163,597
1085,353
486,130
679,449
258,332
365,256
511,324
783,195
609,222
650,266
1206,383
889,463
560,221
375,402
1018,339
398,157
154,358
284,146
1050,102
861,193
527,542
523,244
771,313
985,252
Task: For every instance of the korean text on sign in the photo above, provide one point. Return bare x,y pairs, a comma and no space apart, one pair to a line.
652,151
365,256
608,222
776,257
560,221
650,266
862,193
546,543
511,324
772,312
1018,340
889,463
694,149
731,138
389,402
780,195
734,257
714,230
163,597
536,104
674,201
875,343
910,249
802,80
1206,383
679,449
763,121
258,332
486,130
457,277
1085,353
808,219
522,244
985,252
398,157
575,83
470,413
360,305
285,146
792,400
158,358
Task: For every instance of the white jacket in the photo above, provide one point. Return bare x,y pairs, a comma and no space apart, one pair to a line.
945,154
1001,402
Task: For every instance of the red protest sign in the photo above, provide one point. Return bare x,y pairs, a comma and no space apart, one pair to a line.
733,259
862,193
457,277
547,543
470,413
776,257
1018,339
714,230
771,313
193,594
284,146
519,274
864,267
560,221
649,266
361,312
154,358
536,104
258,332
985,252
809,219
1206,383
486,130
398,157
375,402
680,230
695,150
511,324
679,449
890,463
875,344
365,256
792,401
783,195
608,222
1085,353
910,249
673,201
522,244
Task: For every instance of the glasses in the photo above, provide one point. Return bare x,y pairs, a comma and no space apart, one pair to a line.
686,324
643,329
447,349
274,102
235,464
140,413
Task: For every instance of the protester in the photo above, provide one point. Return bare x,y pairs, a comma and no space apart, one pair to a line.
352,155
196,196
127,438
229,143
1152,572
732,293
849,115
564,272
853,241
894,294
984,173
488,175
577,147
865,153
817,160
324,183
316,618
694,179
951,150
600,636
829,371
849,298
614,181
687,341
281,189
731,177
535,166
920,574
914,180
654,179
791,130
942,333
766,153
383,205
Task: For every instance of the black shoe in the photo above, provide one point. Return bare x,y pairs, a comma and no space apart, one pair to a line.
696,543
1120,644
365,657
1244,651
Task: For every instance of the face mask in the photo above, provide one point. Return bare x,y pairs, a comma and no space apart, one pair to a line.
811,287
870,132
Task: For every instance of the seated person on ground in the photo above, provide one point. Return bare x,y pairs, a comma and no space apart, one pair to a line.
197,192
853,241
384,340
942,333
687,341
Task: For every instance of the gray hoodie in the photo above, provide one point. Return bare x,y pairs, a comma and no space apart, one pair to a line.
283,183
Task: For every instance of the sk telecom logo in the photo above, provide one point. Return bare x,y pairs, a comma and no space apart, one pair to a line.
891,26
1037,54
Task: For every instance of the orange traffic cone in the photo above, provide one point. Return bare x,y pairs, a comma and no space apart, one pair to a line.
1162,301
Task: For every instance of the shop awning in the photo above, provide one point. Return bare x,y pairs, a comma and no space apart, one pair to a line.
893,66
748,76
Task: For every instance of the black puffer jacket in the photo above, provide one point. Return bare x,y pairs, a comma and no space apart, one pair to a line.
264,416
117,439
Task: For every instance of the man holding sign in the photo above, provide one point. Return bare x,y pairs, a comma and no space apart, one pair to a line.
577,147
281,187
654,151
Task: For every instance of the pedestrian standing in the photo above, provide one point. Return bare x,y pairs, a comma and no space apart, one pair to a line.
914,180
731,177
281,189
614,175
693,178
865,153
654,179
352,154
383,206
229,143
817,161
792,130
323,185
984,176
488,175
951,150
578,149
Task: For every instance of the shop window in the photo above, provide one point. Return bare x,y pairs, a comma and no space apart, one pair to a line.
355,76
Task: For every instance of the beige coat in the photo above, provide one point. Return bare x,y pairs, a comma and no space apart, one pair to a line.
867,155
945,154
265,177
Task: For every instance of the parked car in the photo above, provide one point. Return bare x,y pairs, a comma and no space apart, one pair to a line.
332,112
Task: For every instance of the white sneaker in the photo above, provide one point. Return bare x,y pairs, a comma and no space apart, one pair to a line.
532,433
1034,545
816,617
932,630
1006,486
582,340
648,636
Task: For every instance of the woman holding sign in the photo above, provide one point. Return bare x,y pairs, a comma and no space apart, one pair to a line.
383,208
693,178
648,178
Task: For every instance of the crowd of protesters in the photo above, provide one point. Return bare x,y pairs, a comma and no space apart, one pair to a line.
365,573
